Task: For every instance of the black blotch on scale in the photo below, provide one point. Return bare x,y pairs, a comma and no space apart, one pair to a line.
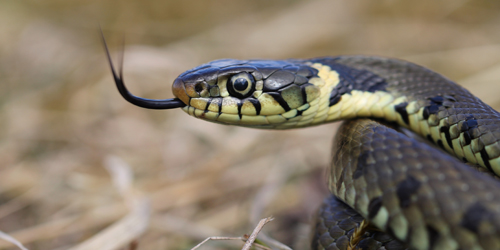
401,109
430,110
440,144
433,236
433,108
256,104
437,99
360,166
374,206
335,100
240,104
406,189
486,159
467,138
277,97
436,102
429,137
446,131
469,123
208,104
467,126
474,216
342,88
303,91
219,103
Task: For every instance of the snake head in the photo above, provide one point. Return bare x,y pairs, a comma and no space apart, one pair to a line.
257,93
254,93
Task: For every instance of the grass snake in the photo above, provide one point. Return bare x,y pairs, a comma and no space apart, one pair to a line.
390,191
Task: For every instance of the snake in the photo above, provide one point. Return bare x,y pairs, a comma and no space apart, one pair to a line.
390,188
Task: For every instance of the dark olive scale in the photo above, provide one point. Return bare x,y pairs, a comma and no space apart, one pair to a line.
474,216
278,80
361,163
336,223
458,190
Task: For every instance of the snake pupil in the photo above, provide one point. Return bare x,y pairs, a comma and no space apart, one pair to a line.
240,84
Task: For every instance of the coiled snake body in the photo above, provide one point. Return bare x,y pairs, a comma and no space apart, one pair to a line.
391,183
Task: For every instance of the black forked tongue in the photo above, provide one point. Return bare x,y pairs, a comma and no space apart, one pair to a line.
138,101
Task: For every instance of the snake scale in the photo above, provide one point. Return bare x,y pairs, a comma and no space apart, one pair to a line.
390,191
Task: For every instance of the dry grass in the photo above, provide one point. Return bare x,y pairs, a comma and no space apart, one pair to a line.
176,180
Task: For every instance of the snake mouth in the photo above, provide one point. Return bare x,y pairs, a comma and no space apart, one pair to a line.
179,91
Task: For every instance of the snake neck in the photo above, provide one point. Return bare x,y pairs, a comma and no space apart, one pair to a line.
341,98
419,99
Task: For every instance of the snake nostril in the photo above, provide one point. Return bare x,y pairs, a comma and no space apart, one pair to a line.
200,86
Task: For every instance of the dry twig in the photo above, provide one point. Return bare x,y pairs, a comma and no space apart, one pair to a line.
358,235
255,232
249,240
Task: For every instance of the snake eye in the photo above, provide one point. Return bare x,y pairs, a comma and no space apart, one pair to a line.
241,85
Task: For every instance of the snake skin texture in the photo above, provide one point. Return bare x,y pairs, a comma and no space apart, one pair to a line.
335,225
403,187
421,196
437,108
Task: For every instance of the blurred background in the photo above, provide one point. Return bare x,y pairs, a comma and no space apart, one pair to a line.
81,168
